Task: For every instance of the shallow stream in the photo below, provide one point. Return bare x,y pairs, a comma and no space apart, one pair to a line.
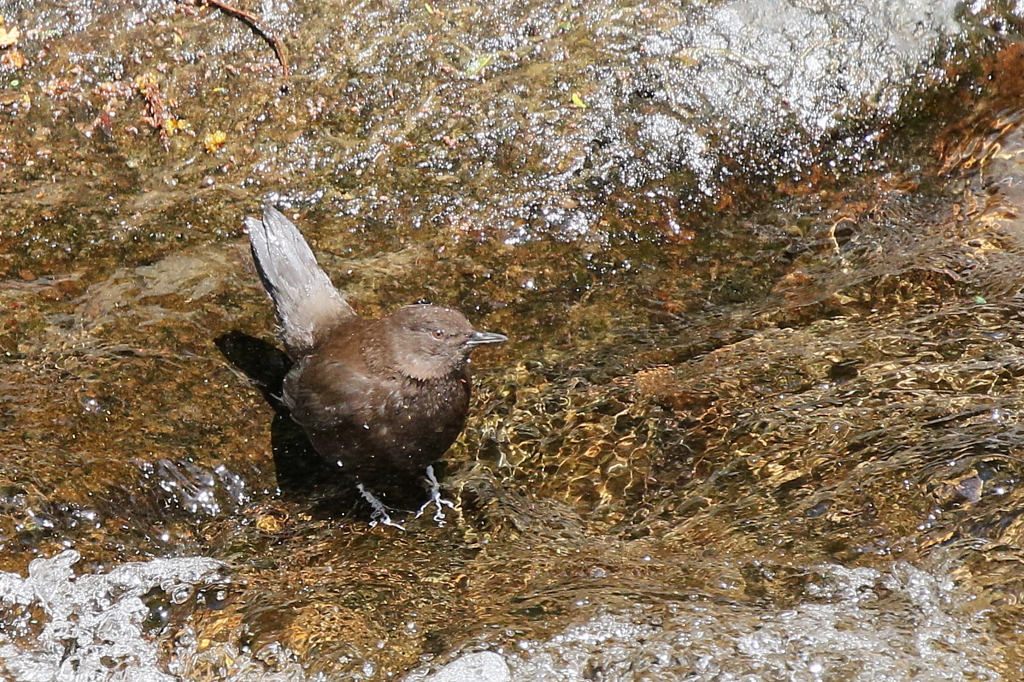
761,413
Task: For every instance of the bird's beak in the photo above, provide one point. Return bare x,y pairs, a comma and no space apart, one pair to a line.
481,338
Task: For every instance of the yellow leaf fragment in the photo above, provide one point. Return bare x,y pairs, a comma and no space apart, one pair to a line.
215,141
8,37
174,125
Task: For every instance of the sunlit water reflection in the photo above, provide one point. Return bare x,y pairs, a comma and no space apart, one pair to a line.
769,436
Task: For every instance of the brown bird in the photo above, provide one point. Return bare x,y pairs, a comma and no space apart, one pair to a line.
383,399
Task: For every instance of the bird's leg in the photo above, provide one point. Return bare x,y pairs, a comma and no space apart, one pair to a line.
435,499
380,512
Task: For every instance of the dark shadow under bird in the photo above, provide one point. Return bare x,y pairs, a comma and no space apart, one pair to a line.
382,399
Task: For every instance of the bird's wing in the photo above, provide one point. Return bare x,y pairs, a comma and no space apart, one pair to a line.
324,394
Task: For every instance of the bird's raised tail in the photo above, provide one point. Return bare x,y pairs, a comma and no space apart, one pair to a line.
307,303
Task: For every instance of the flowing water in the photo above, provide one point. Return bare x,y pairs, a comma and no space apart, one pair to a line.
761,412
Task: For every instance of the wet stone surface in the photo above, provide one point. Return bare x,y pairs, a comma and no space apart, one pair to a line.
760,415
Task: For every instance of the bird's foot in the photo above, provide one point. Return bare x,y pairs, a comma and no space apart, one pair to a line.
379,515
435,499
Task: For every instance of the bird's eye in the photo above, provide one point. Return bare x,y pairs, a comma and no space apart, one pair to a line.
437,334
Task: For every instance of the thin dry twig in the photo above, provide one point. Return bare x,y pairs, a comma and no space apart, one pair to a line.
257,25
